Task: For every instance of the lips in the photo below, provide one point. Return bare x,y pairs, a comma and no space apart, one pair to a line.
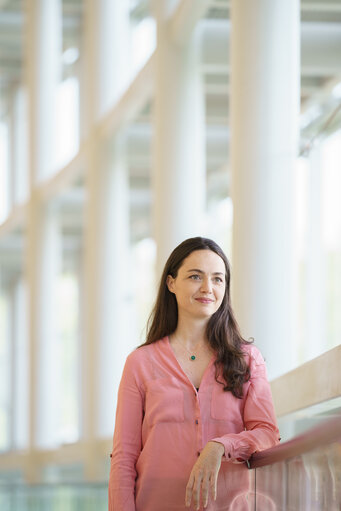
204,300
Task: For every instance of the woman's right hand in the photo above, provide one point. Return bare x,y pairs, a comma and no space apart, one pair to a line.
204,475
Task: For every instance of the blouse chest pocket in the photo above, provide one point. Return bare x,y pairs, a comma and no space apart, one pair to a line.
164,401
224,406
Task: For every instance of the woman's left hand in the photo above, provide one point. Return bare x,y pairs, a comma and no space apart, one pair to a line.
204,475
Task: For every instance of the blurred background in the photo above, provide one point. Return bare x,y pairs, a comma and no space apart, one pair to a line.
127,126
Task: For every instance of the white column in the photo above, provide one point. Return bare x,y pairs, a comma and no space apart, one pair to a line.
114,280
315,292
43,57
113,46
21,356
42,267
18,167
5,164
42,72
19,155
106,227
44,253
265,77
12,150
48,356
179,139
107,291
6,360
12,362
104,58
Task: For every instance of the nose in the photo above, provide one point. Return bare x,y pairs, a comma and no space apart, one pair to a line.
206,285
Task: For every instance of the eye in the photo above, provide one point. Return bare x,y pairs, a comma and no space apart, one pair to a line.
219,279
194,277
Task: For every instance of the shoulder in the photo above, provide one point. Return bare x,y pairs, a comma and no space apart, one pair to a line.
252,355
142,357
140,354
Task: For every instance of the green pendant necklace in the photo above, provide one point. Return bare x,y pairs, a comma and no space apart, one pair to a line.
192,356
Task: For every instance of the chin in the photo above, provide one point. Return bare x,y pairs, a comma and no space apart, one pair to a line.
205,314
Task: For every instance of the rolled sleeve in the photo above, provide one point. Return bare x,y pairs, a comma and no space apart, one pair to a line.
261,431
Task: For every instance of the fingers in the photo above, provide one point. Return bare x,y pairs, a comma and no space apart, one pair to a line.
213,485
204,492
200,485
193,493
193,489
204,475
189,490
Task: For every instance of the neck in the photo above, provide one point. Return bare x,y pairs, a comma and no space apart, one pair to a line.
191,334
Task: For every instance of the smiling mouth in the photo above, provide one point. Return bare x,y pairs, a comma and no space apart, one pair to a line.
204,300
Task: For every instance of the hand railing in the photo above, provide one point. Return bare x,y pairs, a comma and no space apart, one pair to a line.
301,474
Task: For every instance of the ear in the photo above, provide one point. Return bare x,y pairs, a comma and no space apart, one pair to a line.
170,283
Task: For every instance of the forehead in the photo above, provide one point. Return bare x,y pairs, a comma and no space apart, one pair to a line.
205,260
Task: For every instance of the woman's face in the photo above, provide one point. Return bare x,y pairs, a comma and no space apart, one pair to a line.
199,286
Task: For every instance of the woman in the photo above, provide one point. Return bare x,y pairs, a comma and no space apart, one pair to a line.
194,402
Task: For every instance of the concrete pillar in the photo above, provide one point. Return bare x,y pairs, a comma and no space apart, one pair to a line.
18,168
265,78
43,57
107,289
104,59
21,357
12,152
106,227
42,267
179,138
315,292
42,73
114,280
6,315
112,58
19,155
44,263
48,357
5,162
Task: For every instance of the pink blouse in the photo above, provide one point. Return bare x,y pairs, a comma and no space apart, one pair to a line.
162,424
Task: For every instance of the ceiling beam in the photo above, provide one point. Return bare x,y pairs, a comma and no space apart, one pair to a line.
133,100
186,17
321,7
320,47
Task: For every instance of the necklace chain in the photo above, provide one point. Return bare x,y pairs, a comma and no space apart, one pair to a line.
192,356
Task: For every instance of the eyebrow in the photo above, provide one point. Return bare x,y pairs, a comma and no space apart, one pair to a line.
200,271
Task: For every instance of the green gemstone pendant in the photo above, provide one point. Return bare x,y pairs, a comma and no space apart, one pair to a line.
193,357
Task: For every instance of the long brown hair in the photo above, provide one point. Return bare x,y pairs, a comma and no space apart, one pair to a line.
222,330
